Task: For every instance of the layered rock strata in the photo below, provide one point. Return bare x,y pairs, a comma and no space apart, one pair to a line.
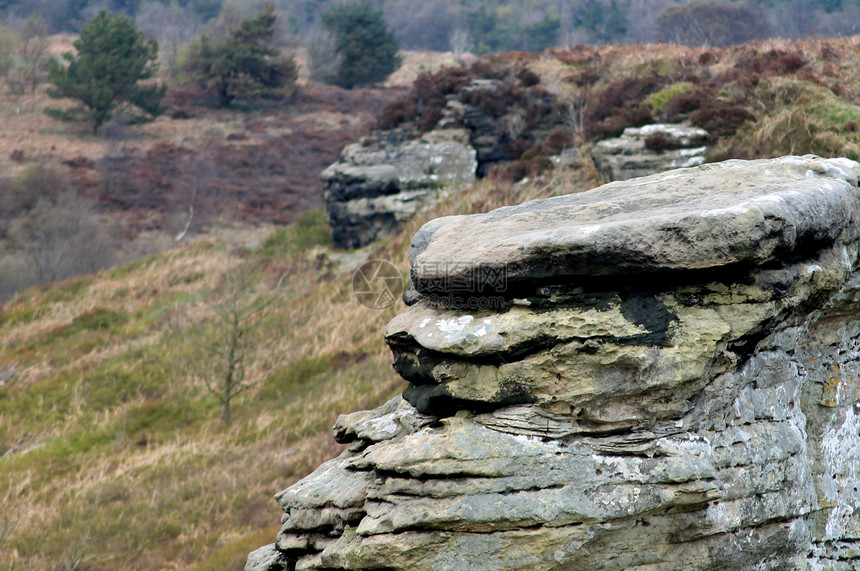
642,151
377,184
658,374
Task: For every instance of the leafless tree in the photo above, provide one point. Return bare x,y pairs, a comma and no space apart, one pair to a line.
711,23
461,42
641,15
324,60
30,61
577,111
172,25
424,25
841,23
232,337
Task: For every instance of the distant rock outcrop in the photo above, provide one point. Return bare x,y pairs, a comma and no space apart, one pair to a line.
657,374
377,184
642,151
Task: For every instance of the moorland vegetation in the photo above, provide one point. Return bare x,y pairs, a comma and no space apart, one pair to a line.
114,451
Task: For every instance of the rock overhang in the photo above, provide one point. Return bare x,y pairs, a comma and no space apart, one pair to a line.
737,214
703,421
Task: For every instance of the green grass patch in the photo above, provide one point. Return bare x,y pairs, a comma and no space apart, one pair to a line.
67,290
19,313
294,379
307,230
97,319
162,418
131,267
233,554
660,99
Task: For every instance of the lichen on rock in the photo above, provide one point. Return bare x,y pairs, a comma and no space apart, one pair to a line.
667,377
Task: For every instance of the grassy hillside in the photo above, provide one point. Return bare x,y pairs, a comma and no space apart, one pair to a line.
112,454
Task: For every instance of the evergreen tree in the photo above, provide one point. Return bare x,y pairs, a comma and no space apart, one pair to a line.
365,43
243,63
111,59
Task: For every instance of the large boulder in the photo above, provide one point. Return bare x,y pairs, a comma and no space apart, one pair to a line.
642,151
657,374
377,184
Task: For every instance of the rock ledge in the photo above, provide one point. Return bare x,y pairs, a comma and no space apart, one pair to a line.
666,377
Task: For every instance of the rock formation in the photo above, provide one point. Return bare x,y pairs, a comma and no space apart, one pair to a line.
642,151
384,180
658,374
377,184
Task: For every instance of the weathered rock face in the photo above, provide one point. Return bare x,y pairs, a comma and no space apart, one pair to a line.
376,185
658,374
648,150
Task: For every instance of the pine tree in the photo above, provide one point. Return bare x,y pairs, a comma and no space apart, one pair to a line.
111,59
243,64
365,43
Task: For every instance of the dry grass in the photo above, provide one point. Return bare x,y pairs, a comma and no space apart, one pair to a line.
110,446
151,479
417,62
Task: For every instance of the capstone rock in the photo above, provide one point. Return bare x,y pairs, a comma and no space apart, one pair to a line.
657,374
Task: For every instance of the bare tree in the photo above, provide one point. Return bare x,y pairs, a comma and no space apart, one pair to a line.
461,42
424,25
711,23
577,111
172,25
30,57
232,337
324,60
641,15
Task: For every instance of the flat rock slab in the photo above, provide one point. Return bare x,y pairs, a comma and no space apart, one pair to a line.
715,216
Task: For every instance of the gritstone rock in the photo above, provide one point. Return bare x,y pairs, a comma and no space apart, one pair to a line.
642,151
658,374
377,185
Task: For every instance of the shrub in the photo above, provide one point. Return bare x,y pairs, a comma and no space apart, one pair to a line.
687,102
585,78
63,237
34,182
661,142
624,93
771,62
527,77
424,103
721,119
